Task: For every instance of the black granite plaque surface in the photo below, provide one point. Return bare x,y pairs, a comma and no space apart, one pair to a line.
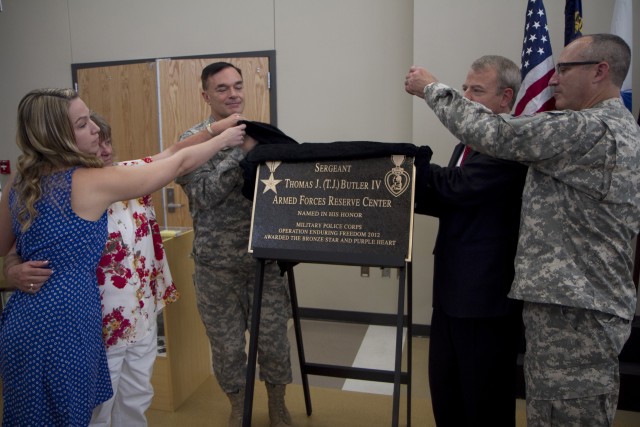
357,212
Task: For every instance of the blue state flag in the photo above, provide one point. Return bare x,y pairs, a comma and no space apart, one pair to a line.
572,20
622,26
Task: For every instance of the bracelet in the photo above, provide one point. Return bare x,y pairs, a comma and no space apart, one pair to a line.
210,130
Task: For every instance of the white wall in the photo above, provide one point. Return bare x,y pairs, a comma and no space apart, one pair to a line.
340,72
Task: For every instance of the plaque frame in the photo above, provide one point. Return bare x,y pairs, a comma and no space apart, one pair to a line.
301,220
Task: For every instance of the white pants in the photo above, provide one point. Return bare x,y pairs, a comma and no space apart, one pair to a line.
130,367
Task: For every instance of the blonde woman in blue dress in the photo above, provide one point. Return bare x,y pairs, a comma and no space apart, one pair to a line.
52,358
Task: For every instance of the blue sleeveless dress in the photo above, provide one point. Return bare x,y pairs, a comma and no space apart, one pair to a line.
52,358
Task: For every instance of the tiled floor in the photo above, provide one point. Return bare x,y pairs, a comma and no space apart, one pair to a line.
335,401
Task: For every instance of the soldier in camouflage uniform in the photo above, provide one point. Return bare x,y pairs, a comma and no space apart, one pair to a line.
224,270
580,212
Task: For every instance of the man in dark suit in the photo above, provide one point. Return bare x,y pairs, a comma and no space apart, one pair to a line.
475,329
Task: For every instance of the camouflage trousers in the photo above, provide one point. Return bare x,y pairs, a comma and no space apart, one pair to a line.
571,365
224,297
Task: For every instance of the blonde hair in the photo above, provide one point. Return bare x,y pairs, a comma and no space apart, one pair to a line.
47,141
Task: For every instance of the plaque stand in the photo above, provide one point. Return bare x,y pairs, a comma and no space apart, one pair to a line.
396,376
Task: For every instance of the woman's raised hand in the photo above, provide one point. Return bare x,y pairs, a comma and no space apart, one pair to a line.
233,136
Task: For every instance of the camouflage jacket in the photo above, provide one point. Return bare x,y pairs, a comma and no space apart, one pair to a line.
221,214
581,200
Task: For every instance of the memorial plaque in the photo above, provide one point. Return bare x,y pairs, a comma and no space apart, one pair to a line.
357,212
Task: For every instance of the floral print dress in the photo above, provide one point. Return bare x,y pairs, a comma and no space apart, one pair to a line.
133,274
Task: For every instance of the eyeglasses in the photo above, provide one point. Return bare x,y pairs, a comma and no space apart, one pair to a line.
561,67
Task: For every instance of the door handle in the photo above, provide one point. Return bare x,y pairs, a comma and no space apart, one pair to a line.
171,204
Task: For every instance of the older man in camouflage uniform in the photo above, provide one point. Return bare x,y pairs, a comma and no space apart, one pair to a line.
224,270
580,212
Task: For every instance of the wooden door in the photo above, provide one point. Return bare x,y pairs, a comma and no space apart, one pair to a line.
125,95
128,97
182,107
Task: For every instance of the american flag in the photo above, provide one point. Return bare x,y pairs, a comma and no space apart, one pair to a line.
537,65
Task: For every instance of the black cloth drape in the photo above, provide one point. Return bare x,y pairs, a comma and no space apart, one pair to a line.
273,144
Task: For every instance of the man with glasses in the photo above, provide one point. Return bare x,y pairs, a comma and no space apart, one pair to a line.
580,212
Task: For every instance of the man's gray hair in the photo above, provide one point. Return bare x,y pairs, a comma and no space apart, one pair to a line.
507,70
612,50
